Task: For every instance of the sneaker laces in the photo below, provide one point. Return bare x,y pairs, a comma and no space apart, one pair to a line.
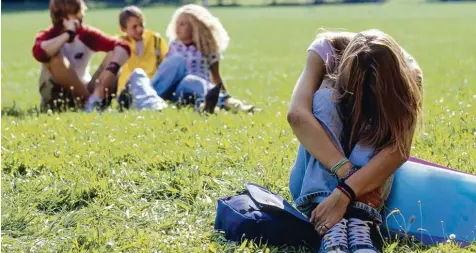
359,232
336,237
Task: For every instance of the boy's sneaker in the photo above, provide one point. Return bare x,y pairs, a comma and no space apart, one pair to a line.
359,236
335,239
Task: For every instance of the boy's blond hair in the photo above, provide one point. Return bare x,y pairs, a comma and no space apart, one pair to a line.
60,9
130,11
209,35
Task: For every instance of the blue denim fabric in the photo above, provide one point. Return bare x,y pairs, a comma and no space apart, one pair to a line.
172,83
143,94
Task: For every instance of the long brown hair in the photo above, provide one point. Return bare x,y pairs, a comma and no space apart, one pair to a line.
379,95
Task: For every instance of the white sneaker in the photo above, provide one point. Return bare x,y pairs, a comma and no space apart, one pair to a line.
159,106
335,239
359,236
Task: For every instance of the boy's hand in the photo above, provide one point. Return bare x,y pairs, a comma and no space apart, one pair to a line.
71,24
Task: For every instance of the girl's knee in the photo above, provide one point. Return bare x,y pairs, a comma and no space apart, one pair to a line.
193,82
192,78
324,103
191,87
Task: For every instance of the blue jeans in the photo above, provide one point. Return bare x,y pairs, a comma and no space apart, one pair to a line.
310,182
171,81
144,96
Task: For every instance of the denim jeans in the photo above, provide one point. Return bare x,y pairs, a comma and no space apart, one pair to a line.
171,81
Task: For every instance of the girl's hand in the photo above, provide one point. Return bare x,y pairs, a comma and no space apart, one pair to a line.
330,211
373,198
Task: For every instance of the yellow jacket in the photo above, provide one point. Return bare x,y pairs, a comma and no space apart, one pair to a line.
155,48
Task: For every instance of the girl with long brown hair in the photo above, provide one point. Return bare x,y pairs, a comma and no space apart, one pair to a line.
354,109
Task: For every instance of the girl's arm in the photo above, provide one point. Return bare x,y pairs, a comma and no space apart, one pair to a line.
215,73
379,169
301,118
212,97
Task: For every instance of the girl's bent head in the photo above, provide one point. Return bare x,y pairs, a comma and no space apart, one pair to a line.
380,96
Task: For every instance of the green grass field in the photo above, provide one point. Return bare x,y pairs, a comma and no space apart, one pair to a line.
143,181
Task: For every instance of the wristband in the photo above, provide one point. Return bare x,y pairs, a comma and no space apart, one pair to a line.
342,186
71,34
345,193
113,67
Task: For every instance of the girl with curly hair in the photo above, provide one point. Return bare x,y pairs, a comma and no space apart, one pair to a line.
190,70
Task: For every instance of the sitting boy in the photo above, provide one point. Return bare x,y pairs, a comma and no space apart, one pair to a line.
65,51
148,49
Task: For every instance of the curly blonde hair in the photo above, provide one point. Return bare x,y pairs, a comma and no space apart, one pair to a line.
209,35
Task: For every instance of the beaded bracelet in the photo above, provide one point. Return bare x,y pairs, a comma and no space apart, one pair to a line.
339,165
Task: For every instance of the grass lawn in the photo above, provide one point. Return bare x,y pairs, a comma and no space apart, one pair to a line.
143,181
